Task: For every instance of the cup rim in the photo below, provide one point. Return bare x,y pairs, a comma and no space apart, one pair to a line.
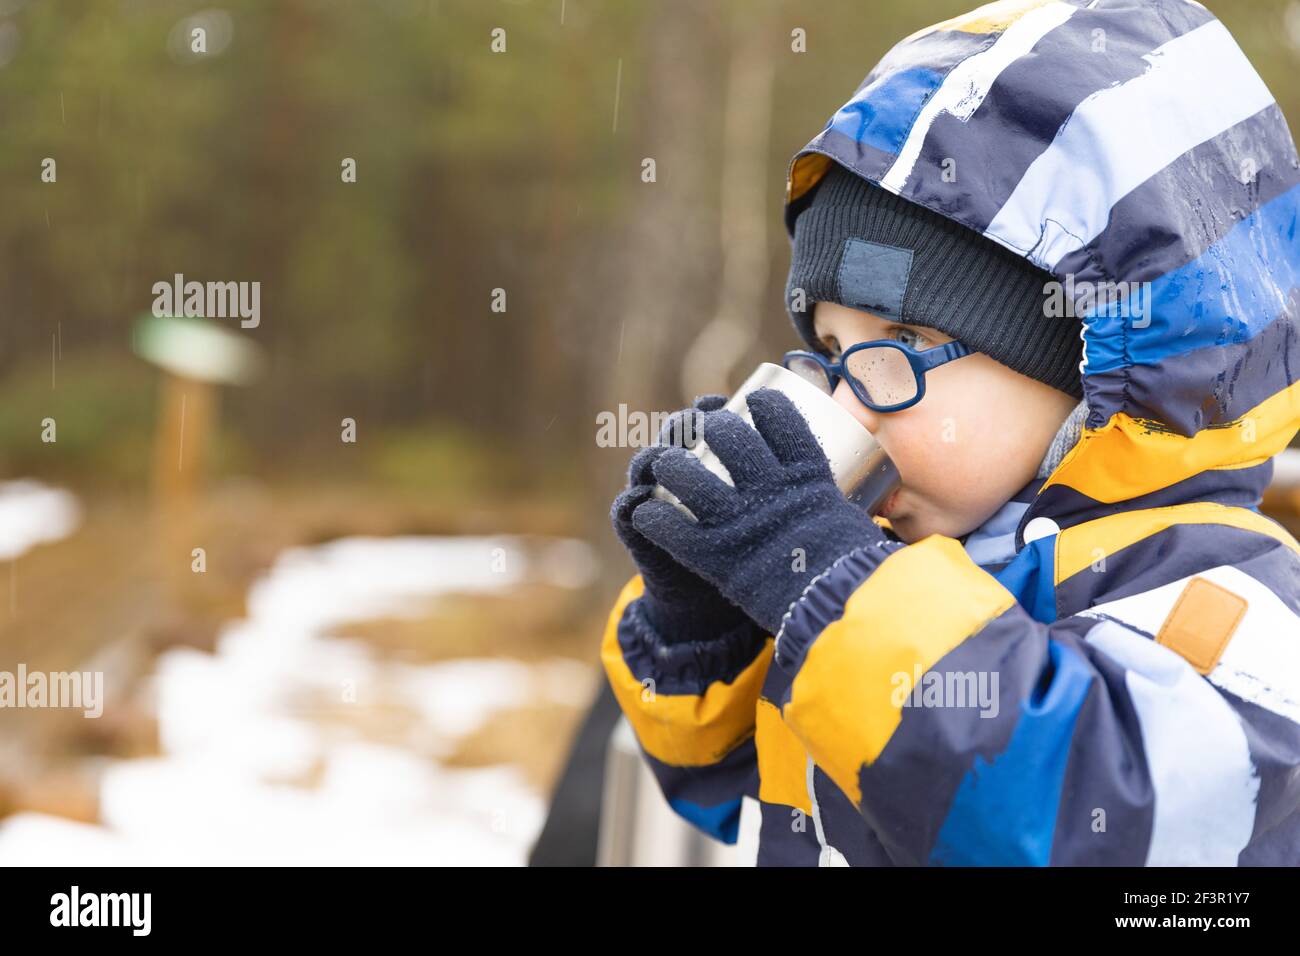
811,389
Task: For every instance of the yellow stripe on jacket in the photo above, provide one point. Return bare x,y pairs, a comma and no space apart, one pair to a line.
1127,457
782,761
919,604
991,18
684,730
1079,546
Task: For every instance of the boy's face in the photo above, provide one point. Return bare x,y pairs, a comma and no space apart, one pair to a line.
975,438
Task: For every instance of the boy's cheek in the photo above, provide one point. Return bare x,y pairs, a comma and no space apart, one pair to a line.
942,457
920,452
948,483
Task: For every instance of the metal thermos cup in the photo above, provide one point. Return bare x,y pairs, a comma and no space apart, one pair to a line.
861,468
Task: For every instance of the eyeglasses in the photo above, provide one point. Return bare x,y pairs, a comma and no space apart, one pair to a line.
885,375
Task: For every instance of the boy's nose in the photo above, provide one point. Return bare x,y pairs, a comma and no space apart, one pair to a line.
844,395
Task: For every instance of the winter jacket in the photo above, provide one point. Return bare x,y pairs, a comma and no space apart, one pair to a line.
1108,672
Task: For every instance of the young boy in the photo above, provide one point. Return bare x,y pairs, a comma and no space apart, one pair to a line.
1078,641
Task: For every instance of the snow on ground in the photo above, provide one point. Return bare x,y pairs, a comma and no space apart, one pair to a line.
250,772
32,514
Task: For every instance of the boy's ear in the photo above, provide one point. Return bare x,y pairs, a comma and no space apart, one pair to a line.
812,322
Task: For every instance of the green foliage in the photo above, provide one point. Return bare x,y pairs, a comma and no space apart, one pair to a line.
475,170
459,462
103,414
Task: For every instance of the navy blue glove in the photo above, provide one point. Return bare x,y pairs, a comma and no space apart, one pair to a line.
763,541
679,604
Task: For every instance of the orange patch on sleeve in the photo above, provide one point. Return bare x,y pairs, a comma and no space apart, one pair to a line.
1201,623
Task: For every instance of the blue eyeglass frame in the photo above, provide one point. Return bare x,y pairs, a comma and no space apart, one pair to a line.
921,361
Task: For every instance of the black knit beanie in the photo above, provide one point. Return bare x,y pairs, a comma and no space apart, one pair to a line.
861,246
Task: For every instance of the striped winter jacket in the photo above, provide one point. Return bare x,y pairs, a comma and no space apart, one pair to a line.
1123,686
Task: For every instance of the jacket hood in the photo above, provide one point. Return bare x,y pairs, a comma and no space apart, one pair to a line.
1131,150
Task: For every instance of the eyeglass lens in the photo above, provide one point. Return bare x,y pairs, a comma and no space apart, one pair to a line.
810,371
884,373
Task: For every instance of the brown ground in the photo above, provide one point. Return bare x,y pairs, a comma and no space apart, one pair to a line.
120,590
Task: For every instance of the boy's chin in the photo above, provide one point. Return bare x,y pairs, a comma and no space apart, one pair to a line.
912,526
907,528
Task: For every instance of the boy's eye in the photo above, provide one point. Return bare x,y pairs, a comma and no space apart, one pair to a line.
910,337
830,347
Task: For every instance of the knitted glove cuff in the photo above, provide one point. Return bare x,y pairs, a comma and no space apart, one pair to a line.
690,665
823,600
679,622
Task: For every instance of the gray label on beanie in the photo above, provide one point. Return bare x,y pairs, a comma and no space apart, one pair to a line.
873,277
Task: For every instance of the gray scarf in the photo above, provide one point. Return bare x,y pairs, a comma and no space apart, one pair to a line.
1067,436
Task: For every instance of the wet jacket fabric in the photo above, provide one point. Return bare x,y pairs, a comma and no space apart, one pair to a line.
1108,671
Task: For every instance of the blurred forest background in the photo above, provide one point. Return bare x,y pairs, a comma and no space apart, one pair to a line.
475,170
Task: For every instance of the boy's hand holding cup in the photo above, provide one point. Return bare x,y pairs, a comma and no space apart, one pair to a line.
679,604
782,521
